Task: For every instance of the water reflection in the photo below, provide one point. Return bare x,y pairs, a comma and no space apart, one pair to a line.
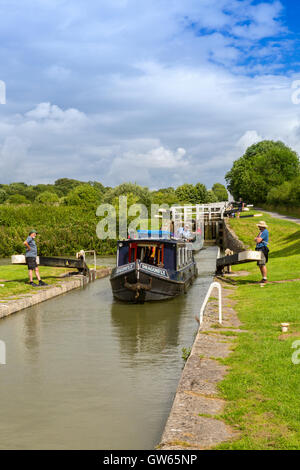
32,334
151,328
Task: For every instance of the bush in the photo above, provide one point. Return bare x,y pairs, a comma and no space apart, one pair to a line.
3,196
84,195
18,199
62,230
47,197
287,194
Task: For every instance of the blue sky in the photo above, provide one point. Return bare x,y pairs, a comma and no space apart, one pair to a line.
159,92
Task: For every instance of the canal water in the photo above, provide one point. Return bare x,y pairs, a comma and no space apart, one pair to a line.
86,372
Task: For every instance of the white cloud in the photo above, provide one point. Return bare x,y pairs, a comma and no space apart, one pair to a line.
157,158
161,92
52,112
185,125
263,21
247,139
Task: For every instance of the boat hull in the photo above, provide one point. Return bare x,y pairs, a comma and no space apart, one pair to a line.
138,286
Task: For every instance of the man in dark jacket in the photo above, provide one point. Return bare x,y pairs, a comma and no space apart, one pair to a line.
31,254
241,206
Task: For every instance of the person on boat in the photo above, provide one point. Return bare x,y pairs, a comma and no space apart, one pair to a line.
186,233
180,232
31,254
262,241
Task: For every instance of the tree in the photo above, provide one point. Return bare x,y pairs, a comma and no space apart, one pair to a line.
201,193
263,166
84,195
295,192
47,197
18,199
186,193
21,189
220,192
98,186
190,194
164,196
41,188
142,194
211,196
17,187
64,185
131,200
3,196
287,194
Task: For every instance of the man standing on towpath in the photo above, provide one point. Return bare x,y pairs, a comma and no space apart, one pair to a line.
262,241
31,254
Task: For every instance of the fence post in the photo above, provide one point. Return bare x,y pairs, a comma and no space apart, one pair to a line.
211,287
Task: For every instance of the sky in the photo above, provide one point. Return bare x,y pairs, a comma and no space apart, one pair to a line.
157,92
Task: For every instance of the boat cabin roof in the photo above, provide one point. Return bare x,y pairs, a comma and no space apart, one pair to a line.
148,241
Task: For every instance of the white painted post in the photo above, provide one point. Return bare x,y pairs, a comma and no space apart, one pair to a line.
95,258
211,287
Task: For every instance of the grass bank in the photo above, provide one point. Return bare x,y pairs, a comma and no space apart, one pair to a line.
15,279
284,262
263,386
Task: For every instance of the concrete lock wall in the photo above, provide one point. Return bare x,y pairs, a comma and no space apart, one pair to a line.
230,240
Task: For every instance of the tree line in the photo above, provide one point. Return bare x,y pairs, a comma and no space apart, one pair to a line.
70,192
64,213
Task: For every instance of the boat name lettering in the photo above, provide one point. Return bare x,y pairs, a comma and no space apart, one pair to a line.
154,269
126,267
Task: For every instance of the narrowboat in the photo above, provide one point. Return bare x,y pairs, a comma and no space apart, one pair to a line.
152,267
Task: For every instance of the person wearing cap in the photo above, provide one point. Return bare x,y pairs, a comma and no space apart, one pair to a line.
31,254
241,206
262,241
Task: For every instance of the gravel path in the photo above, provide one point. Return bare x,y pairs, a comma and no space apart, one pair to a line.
280,216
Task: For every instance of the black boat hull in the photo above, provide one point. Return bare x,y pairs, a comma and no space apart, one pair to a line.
138,287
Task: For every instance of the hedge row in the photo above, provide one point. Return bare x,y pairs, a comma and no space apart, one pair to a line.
62,230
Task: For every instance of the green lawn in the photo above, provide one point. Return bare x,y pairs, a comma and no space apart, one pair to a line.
284,261
263,385
15,279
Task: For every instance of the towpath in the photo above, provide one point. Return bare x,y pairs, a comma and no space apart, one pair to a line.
280,216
